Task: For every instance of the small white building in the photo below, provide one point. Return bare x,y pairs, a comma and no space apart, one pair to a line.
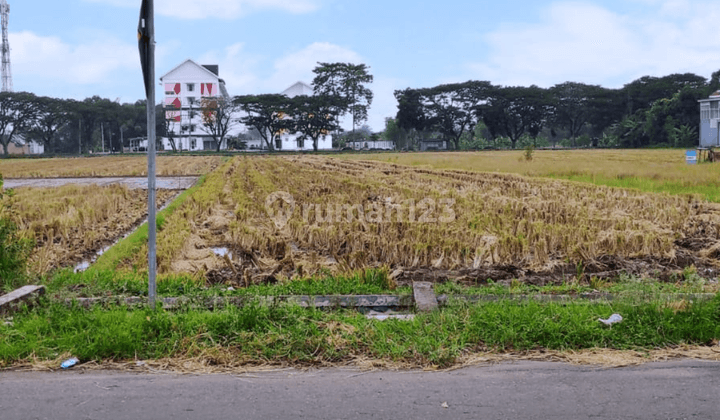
185,86
371,145
21,146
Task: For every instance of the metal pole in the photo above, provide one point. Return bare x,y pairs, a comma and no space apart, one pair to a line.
152,232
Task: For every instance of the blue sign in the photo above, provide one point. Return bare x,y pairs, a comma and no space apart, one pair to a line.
691,157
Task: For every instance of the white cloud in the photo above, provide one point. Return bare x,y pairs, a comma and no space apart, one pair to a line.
53,59
300,64
587,43
245,73
222,9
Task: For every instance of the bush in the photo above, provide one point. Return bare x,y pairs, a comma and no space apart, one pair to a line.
13,249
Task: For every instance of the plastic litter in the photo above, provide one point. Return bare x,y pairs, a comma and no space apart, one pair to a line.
69,363
614,319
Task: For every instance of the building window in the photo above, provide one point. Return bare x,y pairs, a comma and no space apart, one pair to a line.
705,111
191,87
192,128
191,100
193,143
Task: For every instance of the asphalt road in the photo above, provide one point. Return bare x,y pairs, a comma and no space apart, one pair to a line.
523,390
165,182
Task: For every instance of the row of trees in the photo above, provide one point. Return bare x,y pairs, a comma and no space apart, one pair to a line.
97,124
649,111
69,126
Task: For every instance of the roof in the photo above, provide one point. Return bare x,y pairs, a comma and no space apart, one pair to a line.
297,89
205,68
214,68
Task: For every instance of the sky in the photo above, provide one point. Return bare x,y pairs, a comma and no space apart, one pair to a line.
81,48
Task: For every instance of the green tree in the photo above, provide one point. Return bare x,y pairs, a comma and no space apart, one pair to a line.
454,109
52,115
570,107
347,83
18,112
393,133
313,117
515,111
267,113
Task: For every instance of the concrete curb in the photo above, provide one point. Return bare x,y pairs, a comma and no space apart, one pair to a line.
329,302
27,294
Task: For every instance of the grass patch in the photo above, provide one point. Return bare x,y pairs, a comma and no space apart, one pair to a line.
289,334
130,246
710,191
99,283
623,285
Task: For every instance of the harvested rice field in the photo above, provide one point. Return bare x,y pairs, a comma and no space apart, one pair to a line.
69,224
655,170
263,219
135,165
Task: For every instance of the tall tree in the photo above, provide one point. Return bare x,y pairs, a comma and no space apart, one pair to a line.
18,111
347,82
453,109
267,113
643,92
570,107
515,111
313,117
218,118
411,116
52,115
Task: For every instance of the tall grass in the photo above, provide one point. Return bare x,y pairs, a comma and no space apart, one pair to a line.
288,334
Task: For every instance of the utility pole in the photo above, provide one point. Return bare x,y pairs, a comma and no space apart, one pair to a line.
146,45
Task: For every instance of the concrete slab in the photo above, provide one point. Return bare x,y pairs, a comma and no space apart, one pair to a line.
425,300
12,299
168,183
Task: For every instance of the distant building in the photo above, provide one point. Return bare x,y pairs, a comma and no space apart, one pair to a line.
184,88
21,146
371,145
710,121
433,144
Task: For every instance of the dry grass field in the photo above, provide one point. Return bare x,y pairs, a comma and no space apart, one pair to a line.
654,170
71,223
423,223
116,165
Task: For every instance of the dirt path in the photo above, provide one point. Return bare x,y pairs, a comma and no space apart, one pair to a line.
169,183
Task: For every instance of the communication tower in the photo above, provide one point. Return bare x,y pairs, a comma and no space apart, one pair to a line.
6,75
